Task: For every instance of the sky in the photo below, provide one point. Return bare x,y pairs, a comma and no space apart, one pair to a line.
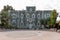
40,4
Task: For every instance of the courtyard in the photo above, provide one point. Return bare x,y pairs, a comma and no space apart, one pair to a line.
29,35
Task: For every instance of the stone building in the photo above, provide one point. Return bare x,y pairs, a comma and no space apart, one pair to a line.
29,18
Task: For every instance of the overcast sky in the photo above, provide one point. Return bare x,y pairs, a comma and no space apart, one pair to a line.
40,4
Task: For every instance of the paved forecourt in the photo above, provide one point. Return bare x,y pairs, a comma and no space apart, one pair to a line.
29,35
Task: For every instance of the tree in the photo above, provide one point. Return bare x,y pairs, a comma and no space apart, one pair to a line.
42,21
5,17
53,16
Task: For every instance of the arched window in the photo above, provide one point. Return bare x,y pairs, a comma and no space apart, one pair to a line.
33,15
30,9
38,15
48,15
14,22
27,15
21,21
14,15
22,15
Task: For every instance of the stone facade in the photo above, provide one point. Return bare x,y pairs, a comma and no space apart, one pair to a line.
29,18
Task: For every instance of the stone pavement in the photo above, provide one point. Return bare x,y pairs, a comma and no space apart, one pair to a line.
29,35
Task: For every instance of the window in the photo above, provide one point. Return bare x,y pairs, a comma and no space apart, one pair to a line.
14,15
22,15
30,20
27,19
38,16
13,20
27,16
48,15
21,21
22,24
38,23
30,9
33,15
33,24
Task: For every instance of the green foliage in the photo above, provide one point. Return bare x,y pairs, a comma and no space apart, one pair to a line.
53,16
5,17
44,21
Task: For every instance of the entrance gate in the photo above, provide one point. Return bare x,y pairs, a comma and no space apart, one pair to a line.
30,26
